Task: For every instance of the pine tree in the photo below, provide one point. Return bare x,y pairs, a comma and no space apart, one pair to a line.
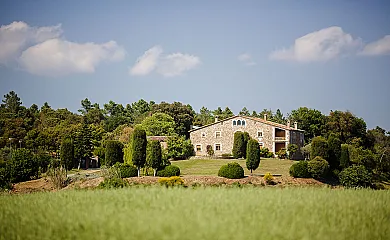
67,153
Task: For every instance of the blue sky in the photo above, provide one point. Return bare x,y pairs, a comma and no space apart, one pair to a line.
327,55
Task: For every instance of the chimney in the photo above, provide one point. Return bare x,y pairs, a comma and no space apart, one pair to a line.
288,123
265,116
295,125
216,119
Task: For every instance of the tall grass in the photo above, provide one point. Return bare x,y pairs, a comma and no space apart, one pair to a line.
201,213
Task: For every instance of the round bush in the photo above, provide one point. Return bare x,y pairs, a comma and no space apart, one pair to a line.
21,166
355,176
299,170
127,171
231,170
169,171
318,167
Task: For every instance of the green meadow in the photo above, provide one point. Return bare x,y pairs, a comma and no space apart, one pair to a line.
197,213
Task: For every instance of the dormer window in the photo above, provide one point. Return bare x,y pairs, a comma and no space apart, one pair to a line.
239,122
243,123
234,122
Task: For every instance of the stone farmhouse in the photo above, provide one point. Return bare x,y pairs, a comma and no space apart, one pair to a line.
220,134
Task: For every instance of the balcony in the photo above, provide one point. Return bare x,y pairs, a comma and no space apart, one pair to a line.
280,139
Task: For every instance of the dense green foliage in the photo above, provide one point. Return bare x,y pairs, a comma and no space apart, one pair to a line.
21,166
319,148
139,148
318,167
179,148
169,171
159,124
355,176
282,153
67,154
344,156
113,152
210,150
252,155
154,155
292,150
126,170
334,151
300,170
231,170
239,146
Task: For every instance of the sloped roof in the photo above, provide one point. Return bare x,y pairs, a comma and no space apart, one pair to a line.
278,125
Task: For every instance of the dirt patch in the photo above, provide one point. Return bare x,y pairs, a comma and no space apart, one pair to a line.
38,185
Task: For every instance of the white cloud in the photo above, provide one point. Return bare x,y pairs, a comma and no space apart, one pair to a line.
380,47
17,36
176,64
44,51
167,65
58,57
147,62
246,59
322,45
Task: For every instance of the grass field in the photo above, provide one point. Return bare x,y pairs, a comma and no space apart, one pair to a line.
211,166
201,213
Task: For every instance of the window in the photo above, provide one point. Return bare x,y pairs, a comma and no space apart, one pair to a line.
203,134
243,122
217,147
238,122
198,148
218,134
261,144
259,134
234,123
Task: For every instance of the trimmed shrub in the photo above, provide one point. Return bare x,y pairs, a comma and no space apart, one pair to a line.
344,156
300,170
139,148
246,140
355,176
239,146
113,183
334,151
209,150
231,170
154,155
21,166
282,153
171,181
264,152
114,152
252,155
126,170
318,167
169,171
270,155
292,149
269,179
67,153
319,148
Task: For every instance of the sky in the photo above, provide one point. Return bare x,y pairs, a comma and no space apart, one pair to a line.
326,55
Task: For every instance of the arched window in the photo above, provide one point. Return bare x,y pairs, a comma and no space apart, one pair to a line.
243,122
234,123
238,122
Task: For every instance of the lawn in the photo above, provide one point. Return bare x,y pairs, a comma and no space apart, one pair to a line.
200,213
211,166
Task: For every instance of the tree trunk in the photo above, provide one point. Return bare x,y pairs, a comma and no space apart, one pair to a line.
78,168
139,170
251,171
154,172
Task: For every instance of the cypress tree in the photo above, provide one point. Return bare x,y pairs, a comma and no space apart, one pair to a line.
154,155
67,153
344,156
114,152
252,155
246,139
139,148
319,148
238,145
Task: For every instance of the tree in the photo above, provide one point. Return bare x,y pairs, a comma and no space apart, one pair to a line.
83,144
252,155
209,150
67,153
139,148
346,125
11,103
154,155
292,149
344,156
238,145
21,166
246,139
227,113
334,151
310,120
179,147
244,112
159,124
113,152
319,147
278,117
204,117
